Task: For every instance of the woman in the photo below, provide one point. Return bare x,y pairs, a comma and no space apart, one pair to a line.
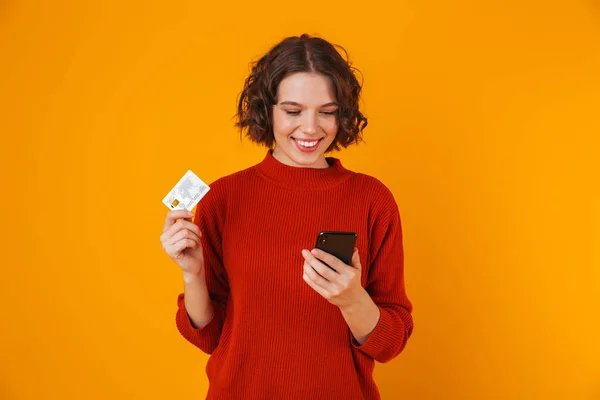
278,323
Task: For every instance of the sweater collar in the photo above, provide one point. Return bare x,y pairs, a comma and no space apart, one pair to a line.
302,178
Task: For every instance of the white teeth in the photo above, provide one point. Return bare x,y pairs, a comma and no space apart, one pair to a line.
308,144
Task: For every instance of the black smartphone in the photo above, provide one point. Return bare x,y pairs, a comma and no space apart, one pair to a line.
339,244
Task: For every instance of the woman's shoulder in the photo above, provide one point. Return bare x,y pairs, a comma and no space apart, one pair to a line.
371,183
228,180
222,190
226,185
373,190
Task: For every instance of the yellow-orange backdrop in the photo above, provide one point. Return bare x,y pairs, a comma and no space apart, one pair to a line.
483,121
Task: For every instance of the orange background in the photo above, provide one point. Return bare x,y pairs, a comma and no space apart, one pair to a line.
483,120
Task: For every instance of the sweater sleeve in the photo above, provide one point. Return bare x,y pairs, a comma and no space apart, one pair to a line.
385,285
209,218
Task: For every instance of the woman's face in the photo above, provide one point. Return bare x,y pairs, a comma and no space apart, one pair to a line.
304,120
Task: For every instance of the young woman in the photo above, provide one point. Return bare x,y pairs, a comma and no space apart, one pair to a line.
258,297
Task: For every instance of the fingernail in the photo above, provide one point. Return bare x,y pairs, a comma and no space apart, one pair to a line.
191,214
304,252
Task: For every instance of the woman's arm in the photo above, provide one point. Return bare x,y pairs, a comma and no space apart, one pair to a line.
198,304
201,307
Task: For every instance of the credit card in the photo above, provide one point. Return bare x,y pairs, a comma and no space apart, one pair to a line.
187,193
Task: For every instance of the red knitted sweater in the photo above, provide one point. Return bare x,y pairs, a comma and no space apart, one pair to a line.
272,335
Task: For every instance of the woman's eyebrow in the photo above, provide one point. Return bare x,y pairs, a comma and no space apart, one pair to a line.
293,103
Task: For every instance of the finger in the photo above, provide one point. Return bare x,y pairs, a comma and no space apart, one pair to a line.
174,215
316,277
329,259
326,272
189,226
356,260
311,282
176,249
183,234
182,224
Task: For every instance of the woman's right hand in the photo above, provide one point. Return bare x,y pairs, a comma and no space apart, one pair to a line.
181,240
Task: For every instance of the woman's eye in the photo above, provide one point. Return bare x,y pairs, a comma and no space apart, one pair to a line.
296,112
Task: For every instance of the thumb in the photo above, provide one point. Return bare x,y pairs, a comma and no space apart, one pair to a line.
356,259
190,216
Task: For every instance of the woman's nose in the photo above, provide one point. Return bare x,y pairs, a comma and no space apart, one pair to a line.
310,125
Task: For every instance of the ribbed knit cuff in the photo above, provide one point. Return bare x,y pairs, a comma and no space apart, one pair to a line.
380,343
205,338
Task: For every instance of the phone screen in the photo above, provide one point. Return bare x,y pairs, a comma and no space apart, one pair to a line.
338,244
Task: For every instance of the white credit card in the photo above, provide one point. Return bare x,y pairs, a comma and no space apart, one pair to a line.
187,193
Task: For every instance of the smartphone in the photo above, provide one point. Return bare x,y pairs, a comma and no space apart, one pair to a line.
339,244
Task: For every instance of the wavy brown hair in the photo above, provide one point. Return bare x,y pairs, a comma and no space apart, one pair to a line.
300,54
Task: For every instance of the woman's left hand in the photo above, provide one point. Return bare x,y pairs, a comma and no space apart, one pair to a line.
342,288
